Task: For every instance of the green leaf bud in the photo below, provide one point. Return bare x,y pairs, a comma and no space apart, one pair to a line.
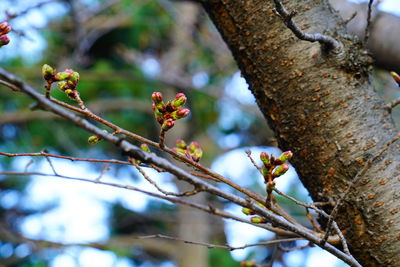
145,147
61,76
181,144
258,220
48,72
94,139
248,211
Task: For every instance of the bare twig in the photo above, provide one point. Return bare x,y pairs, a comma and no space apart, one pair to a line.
208,245
45,154
367,28
392,105
184,194
325,40
293,249
248,153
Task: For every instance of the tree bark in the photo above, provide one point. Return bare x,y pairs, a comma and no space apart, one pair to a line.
323,108
384,31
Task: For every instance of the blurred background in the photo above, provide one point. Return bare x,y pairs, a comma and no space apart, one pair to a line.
124,50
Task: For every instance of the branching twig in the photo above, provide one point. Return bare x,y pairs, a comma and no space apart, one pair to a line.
392,105
248,153
325,40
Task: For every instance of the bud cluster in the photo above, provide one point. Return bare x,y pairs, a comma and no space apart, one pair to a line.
67,80
192,151
273,168
167,114
4,29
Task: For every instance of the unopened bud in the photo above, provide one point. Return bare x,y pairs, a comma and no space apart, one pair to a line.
145,147
248,211
280,170
4,40
179,101
180,114
157,97
180,151
181,144
63,85
396,77
93,139
258,220
265,158
168,124
74,78
48,72
251,263
285,156
4,28
60,76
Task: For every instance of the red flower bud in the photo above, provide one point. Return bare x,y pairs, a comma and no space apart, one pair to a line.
4,28
157,97
181,113
168,124
4,40
248,211
258,220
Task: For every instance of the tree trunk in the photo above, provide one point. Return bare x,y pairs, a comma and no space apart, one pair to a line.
324,109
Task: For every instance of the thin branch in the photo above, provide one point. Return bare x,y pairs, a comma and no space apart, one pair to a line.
367,28
392,105
9,85
45,154
325,40
184,194
248,153
293,249
208,245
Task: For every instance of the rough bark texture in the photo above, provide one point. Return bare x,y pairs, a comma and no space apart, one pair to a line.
324,109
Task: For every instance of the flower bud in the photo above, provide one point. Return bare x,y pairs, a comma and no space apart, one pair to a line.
74,78
179,101
280,170
60,76
193,146
48,72
197,154
248,211
180,151
258,220
145,147
93,139
63,85
265,158
168,124
4,40
157,98
180,114
285,156
4,28
396,77
180,144
251,263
